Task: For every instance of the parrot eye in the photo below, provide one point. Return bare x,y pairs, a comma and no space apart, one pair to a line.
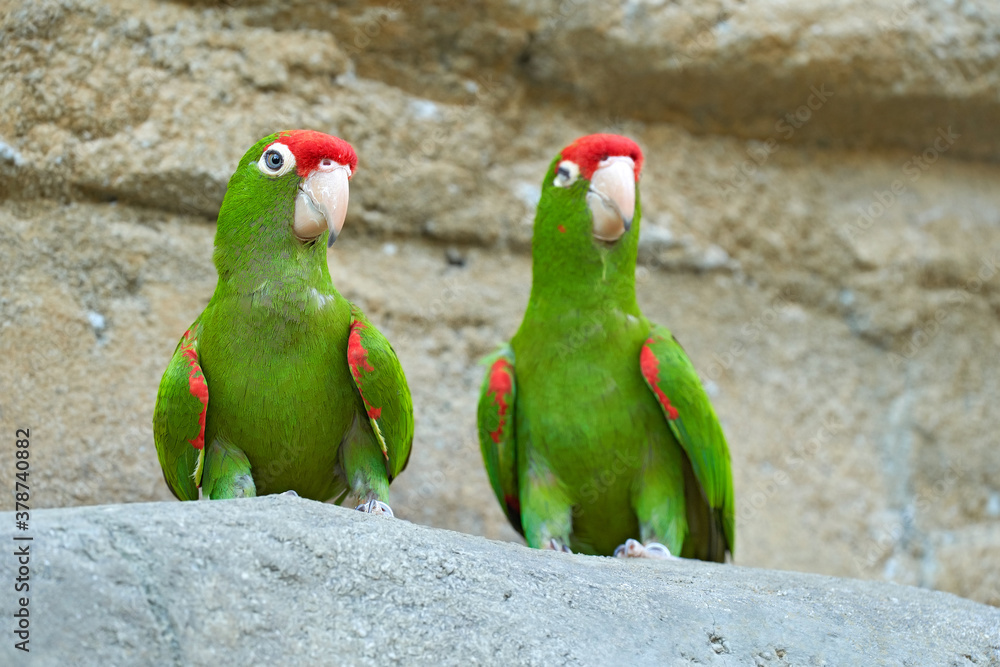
277,160
566,174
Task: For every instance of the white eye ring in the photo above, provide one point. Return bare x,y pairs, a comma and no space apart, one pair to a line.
276,161
566,174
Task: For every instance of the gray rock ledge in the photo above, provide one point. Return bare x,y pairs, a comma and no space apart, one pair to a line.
282,580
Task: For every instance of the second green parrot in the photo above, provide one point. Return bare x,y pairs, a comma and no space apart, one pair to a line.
281,384
595,430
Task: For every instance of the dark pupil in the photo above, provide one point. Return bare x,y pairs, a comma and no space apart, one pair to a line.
563,172
274,160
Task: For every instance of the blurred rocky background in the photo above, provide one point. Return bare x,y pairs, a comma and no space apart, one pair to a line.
821,231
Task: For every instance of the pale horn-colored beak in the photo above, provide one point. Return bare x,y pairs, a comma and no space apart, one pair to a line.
322,202
612,197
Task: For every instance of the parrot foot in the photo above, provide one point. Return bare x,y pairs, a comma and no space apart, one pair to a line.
290,492
556,545
375,507
635,549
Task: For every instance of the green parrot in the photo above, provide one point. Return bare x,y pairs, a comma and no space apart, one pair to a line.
595,430
281,384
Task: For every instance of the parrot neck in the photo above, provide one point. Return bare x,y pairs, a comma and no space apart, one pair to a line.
574,275
602,282
257,254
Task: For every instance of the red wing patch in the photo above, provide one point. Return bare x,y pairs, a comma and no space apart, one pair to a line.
650,366
196,384
513,503
357,359
500,386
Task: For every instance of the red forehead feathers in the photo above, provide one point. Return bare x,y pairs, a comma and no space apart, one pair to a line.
589,151
310,147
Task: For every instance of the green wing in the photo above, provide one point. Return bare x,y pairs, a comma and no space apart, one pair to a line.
179,418
672,379
380,381
496,431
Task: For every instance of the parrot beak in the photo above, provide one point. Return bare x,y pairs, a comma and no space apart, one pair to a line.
612,197
322,202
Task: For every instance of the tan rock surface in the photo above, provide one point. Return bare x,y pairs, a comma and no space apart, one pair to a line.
854,360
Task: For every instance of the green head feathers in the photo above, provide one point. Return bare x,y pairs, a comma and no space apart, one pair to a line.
587,225
288,191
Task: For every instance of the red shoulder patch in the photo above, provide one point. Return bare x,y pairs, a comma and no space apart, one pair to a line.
501,383
650,366
196,384
357,359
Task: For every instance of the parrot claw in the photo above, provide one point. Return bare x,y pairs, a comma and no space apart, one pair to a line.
375,507
556,545
635,549
290,492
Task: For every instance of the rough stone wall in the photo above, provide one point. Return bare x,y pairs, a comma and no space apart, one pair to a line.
821,231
